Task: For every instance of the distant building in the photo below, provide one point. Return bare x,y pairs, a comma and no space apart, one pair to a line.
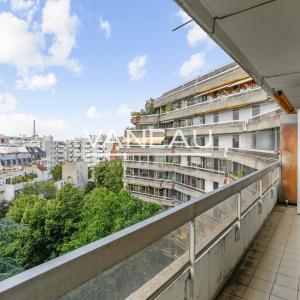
75,173
230,127
14,178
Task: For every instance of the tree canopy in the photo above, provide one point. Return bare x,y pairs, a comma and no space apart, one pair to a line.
56,172
108,174
105,212
43,223
43,189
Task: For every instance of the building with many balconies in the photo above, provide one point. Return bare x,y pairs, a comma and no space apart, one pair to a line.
200,136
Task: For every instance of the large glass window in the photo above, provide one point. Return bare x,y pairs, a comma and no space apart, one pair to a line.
216,141
236,115
216,117
255,110
236,141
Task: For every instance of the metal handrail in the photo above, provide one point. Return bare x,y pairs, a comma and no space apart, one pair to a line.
67,272
179,166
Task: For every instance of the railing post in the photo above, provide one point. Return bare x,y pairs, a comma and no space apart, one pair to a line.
260,196
239,213
192,254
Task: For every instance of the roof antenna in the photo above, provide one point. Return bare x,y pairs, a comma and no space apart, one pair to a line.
178,27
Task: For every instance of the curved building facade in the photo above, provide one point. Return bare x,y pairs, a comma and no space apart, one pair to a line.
199,136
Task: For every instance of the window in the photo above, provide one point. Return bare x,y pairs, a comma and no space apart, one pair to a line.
216,185
200,141
236,115
255,111
202,119
216,141
216,164
202,184
216,117
235,141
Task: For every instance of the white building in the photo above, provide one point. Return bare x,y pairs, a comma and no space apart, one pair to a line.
14,178
75,173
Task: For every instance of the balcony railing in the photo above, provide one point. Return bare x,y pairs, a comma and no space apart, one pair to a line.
189,249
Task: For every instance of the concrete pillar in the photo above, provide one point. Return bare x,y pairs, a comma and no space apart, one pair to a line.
298,163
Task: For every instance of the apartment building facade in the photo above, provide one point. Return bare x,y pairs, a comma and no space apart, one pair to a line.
199,136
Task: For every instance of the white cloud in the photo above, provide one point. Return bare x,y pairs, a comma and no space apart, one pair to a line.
36,82
136,67
92,113
124,110
62,26
22,123
25,8
192,66
105,27
8,103
19,47
31,48
195,33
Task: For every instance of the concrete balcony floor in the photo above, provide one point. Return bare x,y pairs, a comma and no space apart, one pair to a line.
271,267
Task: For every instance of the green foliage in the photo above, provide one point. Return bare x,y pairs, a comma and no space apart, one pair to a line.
44,189
108,174
9,232
89,187
49,223
148,110
56,172
21,179
105,212
4,207
63,216
43,223
9,267
31,246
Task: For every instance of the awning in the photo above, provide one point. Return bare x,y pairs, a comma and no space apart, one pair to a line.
247,79
229,84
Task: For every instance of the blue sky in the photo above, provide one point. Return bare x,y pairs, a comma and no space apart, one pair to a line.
78,66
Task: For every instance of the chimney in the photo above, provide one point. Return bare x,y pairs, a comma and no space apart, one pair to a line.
34,134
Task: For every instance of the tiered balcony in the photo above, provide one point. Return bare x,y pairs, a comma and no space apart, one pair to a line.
209,174
256,159
164,184
187,251
242,98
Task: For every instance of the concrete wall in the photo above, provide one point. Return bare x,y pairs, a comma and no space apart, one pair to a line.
76,173
214,267
265,140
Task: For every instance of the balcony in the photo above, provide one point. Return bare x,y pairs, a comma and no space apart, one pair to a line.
256,159
208,81
265,121
161,200
271,266
243,98
209,174
188,251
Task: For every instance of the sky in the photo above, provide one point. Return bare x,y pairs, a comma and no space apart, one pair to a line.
80,67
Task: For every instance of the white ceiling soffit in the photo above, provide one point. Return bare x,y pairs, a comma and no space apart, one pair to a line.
262,36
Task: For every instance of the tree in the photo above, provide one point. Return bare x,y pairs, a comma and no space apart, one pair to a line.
37,229
29,247
44,189
4,207
9,231
56,172
63,216
89,187
108,174
105,212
